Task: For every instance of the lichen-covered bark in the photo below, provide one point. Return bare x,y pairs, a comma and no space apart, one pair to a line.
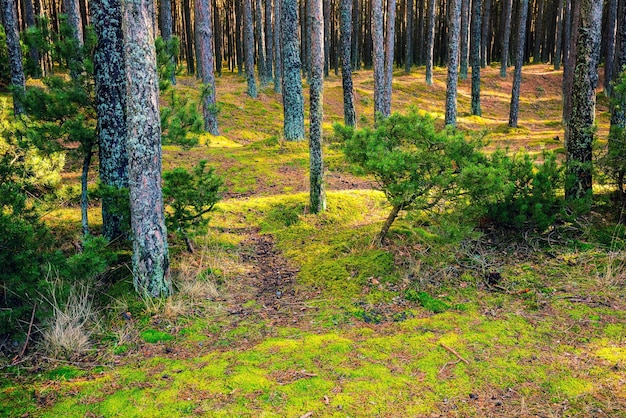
293,101
378,57
151,272
389,52
278,52
248,46
110,87
349,114
519,61
475,56
317,193
506,14
453,61
464,48
408,55
260,41
430,43
9,12
578,144
206,63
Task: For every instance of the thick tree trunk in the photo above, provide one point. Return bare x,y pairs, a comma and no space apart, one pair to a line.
484,36
206,63
248,45
349,113
519,61
72,9
610,45
430,47
316,20
293,101
578,144
506,15
558,43
18,81
151,272
408,56
378,57
464,39
278,52
475,55
389,53
110,86
453,61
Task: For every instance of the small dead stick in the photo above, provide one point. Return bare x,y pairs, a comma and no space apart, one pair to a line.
455,353
30,328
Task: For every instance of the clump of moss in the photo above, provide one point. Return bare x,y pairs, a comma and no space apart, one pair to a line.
154,336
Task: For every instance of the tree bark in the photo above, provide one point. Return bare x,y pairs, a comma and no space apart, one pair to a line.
33,53
378,57
165,18
316,20
430,48
260,42
538,38
464,44
278,53
293,101
151,270
484,36
72,9
110,87
506,14
578,144
385,229
191,67
327,13
389,53
248,45
269,40
217,36
610,45
558,43
453,61
18,81
408,59
475,56
206,63
349,112
519,61
570,61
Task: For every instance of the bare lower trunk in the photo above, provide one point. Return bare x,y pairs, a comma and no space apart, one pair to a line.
519,60
317,193
206,63
84,198
385,229
453,62
18,81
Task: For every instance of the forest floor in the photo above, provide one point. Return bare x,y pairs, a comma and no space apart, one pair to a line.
282,313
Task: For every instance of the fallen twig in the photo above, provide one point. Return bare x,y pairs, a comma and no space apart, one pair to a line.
455,353
30,328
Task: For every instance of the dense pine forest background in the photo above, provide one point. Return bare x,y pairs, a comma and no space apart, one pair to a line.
312,208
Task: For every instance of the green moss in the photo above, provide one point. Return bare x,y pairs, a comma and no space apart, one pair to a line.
154,336
571,387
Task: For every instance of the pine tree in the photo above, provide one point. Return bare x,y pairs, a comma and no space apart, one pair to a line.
206,61
293,102
453,61
378,57
18,81
317,193
248,45
151,272
389,53
278,52
346,63
475,56
506,13
430,43
464,49
519,61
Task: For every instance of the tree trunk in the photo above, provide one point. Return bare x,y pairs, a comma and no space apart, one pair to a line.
408,59
506,14
151,272
475,55
538,38
317,193
110,87
217,36
578,144
385,229
389,52
248,45
269,40
33,52
349,113
191,68
239,36
618,104
570,61
484,36
519,61
430,48
453,61
260,42
84,198
558,43
610,45
293,101
327,13
278,53
18,81
165,17
356,34
464,48
72,9
206,63
378,57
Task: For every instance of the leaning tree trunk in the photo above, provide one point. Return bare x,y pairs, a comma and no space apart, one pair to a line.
206,63
475,56
151,270
316,20
278,52
453,61
293,101
349,114
18,81
248,46
578,144
519,61
506,14
378,57
464,39
110,86
430,44
390,36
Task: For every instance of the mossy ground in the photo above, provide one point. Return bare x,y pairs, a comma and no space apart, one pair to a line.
343,327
